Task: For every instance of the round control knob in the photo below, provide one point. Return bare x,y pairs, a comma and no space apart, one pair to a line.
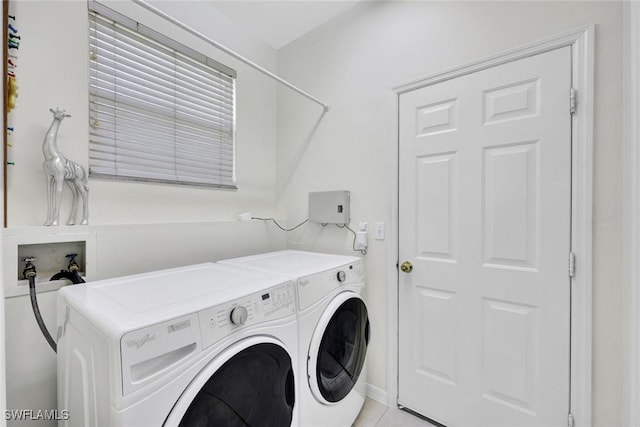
238,315
342,276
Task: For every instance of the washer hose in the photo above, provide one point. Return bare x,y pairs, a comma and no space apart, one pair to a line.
31,275
72,276
71,273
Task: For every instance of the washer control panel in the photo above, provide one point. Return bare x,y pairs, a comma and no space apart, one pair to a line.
238,315
224,319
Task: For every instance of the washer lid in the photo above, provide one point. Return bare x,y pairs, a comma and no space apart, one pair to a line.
127,303
293,263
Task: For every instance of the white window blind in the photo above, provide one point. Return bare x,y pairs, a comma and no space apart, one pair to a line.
159,111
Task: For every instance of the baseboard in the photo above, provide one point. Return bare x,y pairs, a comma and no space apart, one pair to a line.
377,393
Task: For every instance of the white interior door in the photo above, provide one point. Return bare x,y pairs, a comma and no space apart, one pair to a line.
485,216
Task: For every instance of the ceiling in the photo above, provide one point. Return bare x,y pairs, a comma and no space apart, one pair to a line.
278,23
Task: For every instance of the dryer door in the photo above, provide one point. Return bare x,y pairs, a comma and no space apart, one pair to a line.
249,384
338,348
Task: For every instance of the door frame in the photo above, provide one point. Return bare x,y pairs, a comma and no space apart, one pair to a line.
581,41
631,216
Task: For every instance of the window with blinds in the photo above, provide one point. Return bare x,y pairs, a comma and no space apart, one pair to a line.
159,111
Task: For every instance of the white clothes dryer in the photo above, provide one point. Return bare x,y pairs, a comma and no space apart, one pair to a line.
205,345
333,331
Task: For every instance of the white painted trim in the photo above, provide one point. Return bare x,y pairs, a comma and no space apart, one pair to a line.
582,230
535,48
582,42
631,212
392,262
376,393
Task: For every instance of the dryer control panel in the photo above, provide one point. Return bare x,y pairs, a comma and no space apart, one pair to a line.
314,287
219,321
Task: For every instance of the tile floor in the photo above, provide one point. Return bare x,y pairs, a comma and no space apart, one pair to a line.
376,414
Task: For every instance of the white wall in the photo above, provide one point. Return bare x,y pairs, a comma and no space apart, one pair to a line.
353,62
53,72
631,203
139,227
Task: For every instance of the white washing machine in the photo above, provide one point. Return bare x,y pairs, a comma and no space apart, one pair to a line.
333,331
205,345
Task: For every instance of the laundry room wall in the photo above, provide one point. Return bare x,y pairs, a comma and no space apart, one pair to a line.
53,72
137,227
353,61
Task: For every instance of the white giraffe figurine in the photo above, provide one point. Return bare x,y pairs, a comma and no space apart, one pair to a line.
58,170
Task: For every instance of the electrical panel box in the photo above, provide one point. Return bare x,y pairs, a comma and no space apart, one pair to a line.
329,207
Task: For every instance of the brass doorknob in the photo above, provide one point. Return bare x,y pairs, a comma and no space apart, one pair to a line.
406,267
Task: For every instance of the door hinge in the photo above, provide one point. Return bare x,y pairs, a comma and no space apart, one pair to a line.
573,101
572,264
570,420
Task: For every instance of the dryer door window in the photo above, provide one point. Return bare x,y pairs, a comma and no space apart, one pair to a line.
254,387
342,350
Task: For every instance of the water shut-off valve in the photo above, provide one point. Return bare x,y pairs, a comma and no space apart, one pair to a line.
73,264
29,269
72,272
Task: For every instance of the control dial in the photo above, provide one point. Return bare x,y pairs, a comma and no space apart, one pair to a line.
341,276
238,315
